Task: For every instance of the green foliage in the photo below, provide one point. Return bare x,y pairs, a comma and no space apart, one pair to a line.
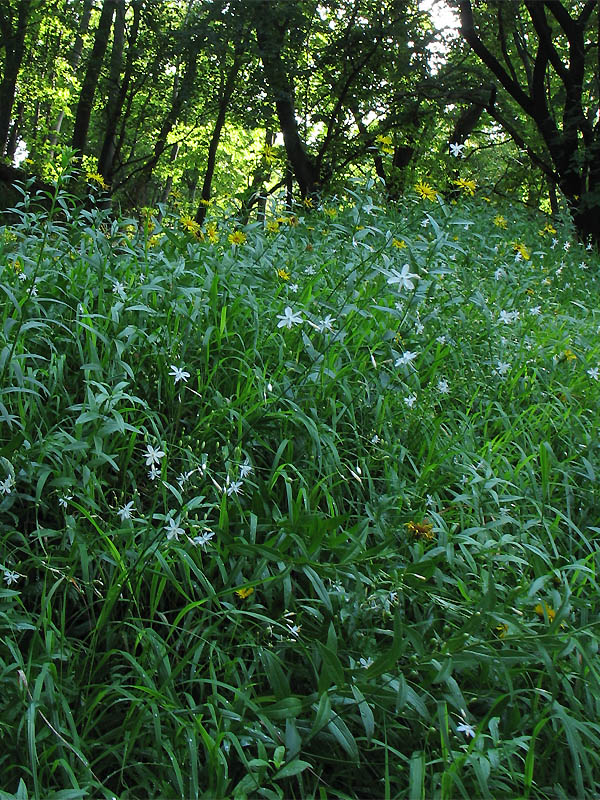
301,510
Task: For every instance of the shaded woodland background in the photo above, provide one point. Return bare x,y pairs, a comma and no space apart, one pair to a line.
200,100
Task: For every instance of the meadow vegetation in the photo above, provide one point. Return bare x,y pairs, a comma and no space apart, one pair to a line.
303,509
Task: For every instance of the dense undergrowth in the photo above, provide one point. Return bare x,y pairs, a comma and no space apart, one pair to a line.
308,510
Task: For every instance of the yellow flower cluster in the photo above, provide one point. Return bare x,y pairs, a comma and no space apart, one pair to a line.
424,190
548,228
519,247
95,177
500,222
272,226
399,243
192,227
237,237
467,185
421,530
211,232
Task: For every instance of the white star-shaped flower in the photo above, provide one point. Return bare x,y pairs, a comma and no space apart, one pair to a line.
153,456
457,149
289,318
179,374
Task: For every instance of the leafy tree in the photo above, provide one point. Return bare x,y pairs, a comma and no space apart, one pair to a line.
544,56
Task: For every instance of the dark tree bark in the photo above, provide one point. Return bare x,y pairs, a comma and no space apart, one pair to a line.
117,88
92,74
74,60
181,93
13,40
270,34
211,160
573,145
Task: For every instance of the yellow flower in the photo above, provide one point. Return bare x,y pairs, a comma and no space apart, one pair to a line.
331,212
468,186
285,276
243,593
399,243
383,139
96,178
237,237
204,202
211,232
548,228
308,203
501,630
154,240
191,226
500,222
421,530
569,355
543,607
272,226
518,247
425,191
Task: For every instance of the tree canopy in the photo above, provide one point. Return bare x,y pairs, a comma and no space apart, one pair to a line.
205,99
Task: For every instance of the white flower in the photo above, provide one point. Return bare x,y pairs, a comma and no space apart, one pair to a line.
7,484
405,358
10,577
518,256
425,223
503,367
64,500
293,287
289,318
554,243
419,327
443,386
566,246
233,487
457,149
153,472
179,374
204,538
173,530
119,288
583,265
404,278
594,373
310,270
508,317
125,511
375,439
410,400
245,469
365,662
441,339
499,274
589,246
326,324
465,728
153,456
535,311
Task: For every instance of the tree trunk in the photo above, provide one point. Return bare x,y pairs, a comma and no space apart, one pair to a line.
14,48
118,88
92,74
214,140
270,38
74,63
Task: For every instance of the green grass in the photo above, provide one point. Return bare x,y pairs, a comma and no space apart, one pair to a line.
250,614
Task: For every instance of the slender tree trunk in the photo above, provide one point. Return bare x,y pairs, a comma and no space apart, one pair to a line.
181,93
169,183
92,74
270,36
118,88
14,48
74,60
215,138
13,137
